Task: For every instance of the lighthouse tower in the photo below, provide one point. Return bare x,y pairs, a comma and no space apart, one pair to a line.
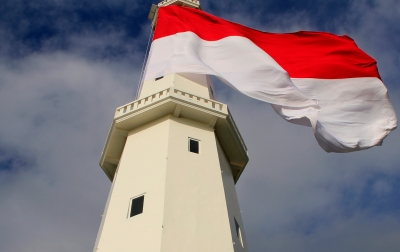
173,156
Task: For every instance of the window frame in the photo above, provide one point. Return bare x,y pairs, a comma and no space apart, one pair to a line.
130,205
198,145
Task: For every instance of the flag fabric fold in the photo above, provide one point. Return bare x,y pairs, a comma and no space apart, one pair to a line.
315,79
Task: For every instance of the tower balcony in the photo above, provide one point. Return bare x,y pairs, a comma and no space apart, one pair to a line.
178,103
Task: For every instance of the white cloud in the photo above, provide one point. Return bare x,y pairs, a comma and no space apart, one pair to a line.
56,111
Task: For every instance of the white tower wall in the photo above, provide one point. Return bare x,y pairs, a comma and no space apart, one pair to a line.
190,202
196,216
141,170
193,83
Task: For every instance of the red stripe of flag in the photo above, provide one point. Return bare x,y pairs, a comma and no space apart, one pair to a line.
302,54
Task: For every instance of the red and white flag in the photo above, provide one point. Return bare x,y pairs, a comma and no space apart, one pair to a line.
310,78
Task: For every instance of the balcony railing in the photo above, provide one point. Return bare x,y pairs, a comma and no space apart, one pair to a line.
169,93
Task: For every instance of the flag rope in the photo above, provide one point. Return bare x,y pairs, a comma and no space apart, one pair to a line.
144,66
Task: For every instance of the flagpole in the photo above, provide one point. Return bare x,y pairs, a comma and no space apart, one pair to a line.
144,67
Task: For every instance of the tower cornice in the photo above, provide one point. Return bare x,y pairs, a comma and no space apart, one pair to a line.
176,103
184,3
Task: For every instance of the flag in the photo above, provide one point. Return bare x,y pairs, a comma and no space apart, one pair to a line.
316,79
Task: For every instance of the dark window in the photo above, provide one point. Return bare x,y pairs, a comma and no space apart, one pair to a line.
238,232
159,78
193,146
137,206
237,228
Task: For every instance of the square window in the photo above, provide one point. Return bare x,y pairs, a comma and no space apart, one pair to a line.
193,145
136,206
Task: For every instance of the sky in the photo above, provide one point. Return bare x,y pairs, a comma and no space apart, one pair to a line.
66,65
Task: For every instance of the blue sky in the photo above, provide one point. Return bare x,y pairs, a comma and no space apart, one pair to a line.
66,65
